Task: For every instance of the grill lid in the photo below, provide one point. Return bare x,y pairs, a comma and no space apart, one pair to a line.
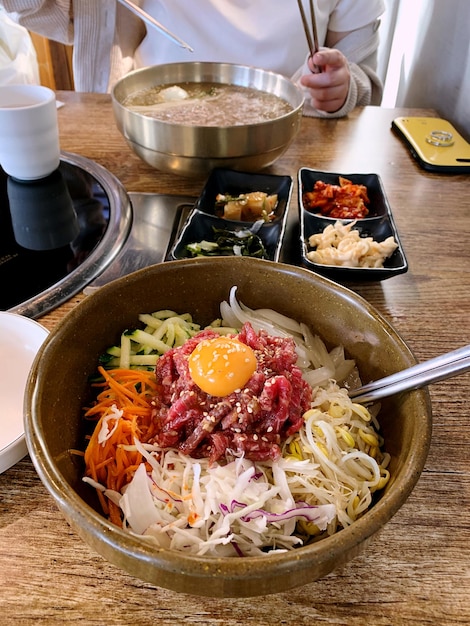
59,233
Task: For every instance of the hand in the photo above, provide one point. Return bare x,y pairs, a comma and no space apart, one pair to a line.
328,89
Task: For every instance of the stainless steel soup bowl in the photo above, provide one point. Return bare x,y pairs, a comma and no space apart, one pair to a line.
58,388
196,150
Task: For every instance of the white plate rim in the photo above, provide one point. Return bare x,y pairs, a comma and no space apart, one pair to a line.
14,449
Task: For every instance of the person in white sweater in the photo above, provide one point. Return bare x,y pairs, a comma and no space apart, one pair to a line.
110,41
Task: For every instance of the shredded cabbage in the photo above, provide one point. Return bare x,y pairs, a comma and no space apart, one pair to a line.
107,428
240,507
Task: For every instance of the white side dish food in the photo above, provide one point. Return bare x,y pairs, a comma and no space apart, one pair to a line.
341,244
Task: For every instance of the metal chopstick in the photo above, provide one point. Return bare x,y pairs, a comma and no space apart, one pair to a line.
314,27
311,45
420,375
312,38
153,22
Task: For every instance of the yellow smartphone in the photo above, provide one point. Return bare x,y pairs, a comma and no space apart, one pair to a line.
434,143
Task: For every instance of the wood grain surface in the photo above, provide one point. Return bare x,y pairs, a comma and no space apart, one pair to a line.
417,571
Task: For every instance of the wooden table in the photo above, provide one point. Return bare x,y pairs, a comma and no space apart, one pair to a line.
418,570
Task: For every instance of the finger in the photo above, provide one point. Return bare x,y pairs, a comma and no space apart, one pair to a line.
315,69
329,57
327,93
329,102
328,79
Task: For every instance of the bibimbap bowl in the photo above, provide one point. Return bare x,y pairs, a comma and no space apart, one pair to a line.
58,389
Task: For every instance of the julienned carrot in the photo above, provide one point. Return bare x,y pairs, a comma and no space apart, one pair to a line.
125,386
113,462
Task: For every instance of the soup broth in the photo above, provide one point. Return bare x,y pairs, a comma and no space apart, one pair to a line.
207,104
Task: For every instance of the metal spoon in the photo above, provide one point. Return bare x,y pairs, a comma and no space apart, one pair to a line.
153,22
440,368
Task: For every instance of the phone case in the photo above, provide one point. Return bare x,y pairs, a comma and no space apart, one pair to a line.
434,143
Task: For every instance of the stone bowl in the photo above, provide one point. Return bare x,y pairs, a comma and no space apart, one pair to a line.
192,151
58,385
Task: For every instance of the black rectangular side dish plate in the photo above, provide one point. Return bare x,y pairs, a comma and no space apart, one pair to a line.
202,220
379,224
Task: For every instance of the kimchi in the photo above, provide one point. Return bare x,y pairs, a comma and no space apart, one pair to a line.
347,200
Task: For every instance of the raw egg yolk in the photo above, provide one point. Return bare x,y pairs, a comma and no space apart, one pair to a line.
220,366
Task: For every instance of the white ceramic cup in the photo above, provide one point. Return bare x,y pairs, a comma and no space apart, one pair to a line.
29,133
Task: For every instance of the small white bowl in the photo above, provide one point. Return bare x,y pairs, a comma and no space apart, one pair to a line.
20,340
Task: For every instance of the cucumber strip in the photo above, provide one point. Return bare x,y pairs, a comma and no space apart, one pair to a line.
143,359
125,352
114,351
112,363
161,315
181,335
150,321
147,339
